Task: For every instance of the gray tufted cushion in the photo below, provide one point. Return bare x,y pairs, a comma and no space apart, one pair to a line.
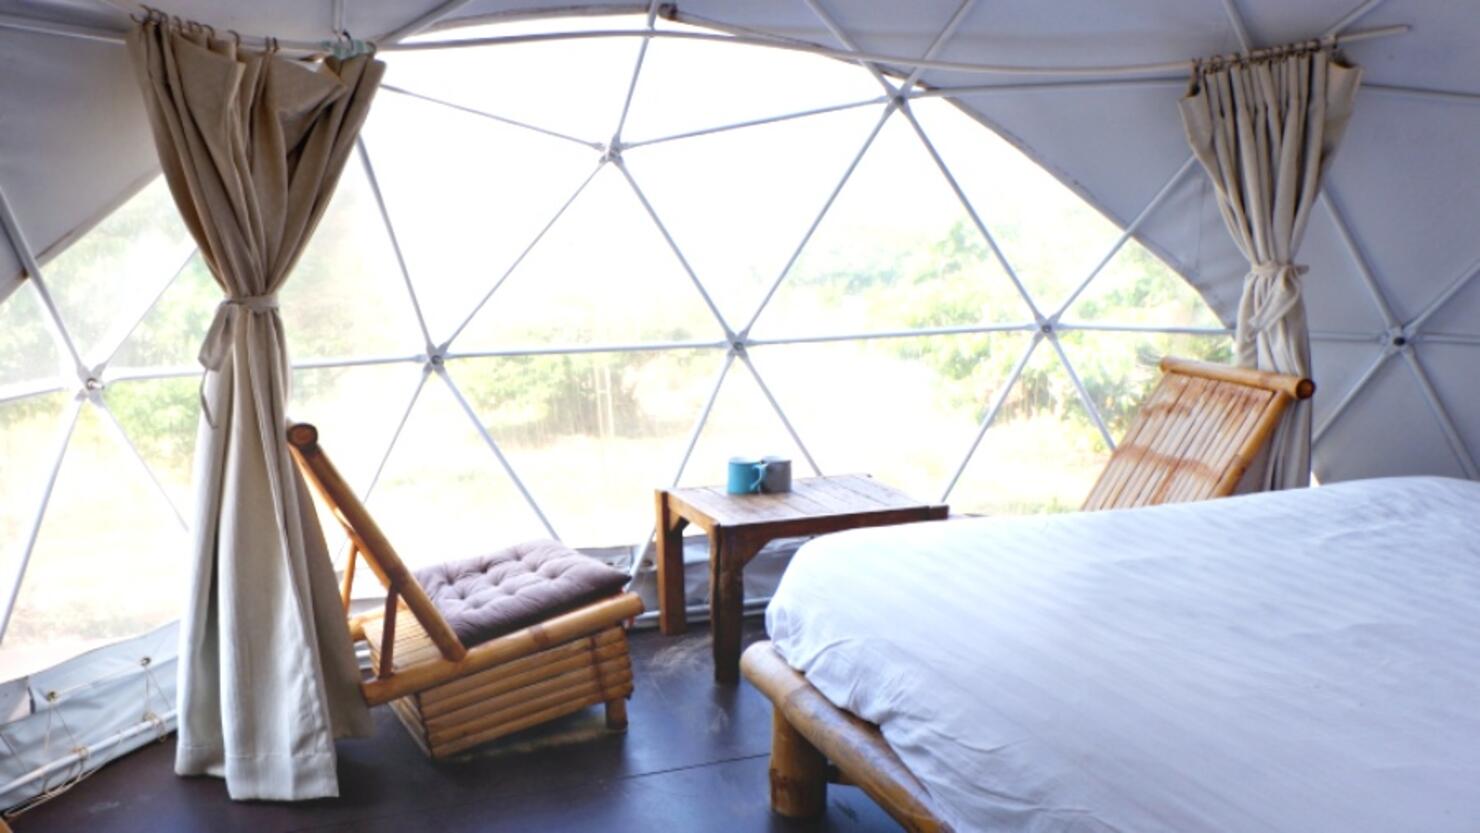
491,595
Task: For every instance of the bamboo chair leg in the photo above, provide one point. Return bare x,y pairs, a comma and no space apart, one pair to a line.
616,714
798,772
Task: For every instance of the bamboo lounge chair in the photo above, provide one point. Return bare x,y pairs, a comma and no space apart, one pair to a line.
1195,435
457,687
1193,438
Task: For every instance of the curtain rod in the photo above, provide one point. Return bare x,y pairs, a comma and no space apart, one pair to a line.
1113,71
872,57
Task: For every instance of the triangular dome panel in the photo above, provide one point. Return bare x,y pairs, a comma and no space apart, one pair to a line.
357,411
347,278
466,196
737,230
28,351
1137,288
896,234
1041,454
29,429
1049,234
902,410
602,275
78,592
1119,369
592,434
104,282
161,417
1349,438
171,332
443,494
741,423
574,87
722,84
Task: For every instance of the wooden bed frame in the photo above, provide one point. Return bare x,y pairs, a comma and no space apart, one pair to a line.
1193,439
814,742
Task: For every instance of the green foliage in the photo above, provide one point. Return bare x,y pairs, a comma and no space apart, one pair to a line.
946,283
160,417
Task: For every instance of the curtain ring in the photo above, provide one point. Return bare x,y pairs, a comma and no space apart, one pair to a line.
237,36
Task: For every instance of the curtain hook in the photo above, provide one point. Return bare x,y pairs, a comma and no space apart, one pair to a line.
237,36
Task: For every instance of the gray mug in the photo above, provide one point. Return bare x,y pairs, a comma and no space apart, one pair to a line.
776,477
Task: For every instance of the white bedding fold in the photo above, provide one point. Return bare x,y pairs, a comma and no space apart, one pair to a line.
1299,661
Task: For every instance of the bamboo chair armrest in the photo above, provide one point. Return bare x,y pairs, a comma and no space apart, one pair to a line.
563,628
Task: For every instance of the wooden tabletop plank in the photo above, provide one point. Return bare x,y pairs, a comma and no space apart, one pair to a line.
885,495
811,497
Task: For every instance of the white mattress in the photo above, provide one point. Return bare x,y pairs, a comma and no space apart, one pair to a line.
1299,662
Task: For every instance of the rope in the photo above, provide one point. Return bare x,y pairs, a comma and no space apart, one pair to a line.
83,768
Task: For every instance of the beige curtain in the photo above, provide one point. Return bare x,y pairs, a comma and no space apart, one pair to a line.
1265,130
252,145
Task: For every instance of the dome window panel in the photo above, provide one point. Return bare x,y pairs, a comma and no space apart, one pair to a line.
510,324
592,434
107,280
896,233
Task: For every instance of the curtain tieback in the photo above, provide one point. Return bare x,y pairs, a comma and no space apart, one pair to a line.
1270,292
218,338
1273,268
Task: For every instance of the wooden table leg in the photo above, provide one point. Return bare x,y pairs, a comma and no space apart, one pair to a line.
728,554
672,617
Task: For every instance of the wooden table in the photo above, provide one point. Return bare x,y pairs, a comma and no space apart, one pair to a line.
739,525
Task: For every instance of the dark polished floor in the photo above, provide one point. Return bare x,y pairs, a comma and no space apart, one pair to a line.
694,759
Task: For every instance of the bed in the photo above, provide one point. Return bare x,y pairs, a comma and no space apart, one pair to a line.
1295,661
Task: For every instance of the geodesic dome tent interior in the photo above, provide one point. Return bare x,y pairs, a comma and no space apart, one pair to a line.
562,272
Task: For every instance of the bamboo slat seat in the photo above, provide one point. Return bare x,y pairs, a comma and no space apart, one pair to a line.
452,696
1195,434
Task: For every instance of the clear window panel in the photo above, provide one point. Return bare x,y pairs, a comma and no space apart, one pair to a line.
171,333
466,196
1120,369
896,234
356,410
903,410
720,84
443,495
28,351
1050,235
111,559
1137,287
346,295
603,275
29,431
594,434
104,282
739,202
1041,454
576,87
160,418
741,424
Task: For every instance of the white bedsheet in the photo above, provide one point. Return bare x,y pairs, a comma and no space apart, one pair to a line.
1298,662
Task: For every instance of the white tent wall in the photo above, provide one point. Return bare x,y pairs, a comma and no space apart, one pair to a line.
75,143
1393,301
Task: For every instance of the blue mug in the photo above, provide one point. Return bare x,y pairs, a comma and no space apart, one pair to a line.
746,474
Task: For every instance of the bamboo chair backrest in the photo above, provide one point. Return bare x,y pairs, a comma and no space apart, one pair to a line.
1195,435
368,541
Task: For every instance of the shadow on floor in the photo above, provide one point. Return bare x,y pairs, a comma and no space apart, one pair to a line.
694,759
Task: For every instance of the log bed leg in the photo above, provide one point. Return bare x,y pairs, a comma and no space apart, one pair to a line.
798,772
616,714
